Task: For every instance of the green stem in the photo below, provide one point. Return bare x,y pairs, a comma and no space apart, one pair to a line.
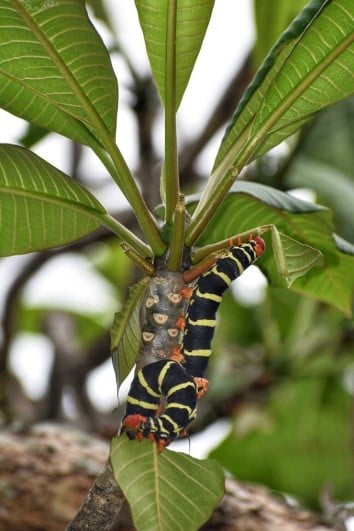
170,171
207,250
124,234
122,174
145,219
177,239
145,265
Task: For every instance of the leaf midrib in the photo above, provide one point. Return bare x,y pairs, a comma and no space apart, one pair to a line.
299,89
91,112
294,94
41,196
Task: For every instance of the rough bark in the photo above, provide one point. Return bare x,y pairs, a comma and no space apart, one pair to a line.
46,473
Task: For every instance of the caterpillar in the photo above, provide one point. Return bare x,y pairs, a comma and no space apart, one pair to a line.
164,378
163,395
204,303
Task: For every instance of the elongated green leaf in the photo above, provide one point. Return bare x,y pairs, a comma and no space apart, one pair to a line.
192,22
293,259
126,333
168,491
308,69
249,205
54,69
40,207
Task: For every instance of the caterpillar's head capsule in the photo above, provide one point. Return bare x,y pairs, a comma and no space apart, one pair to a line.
259,245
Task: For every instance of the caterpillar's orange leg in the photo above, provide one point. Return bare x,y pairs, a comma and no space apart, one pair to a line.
260,246
202,386
186,292
181,323
176,354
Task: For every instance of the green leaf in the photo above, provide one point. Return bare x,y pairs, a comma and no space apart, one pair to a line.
126,333
299,444
329,137
271,18
332,187
250,205
55,70
192,22
293,259
168,491
40,206
308,69
324,162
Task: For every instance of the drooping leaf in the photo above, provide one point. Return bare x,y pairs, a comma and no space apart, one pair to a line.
192,22
293,259
250,205
40,206
168,491
54,68
271,18
126,333
308,69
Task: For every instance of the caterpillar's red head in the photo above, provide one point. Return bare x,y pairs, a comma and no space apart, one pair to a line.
259,245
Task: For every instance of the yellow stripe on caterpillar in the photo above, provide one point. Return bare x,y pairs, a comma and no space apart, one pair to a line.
209,296
146,386
174,424
203,322
177,405
224,277
161,426
238,263
163,372
198,352
141,403
179,387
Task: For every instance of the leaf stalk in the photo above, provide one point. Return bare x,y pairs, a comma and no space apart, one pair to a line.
174,261
170,170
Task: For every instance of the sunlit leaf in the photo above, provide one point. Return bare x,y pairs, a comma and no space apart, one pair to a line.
54,68
40,206
192,22
126,333
168,491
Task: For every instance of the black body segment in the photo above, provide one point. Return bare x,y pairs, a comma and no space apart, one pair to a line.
204,303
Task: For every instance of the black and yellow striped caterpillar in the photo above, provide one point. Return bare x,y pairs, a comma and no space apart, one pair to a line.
163,395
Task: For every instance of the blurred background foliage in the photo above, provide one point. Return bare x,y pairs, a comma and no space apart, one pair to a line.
282,369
